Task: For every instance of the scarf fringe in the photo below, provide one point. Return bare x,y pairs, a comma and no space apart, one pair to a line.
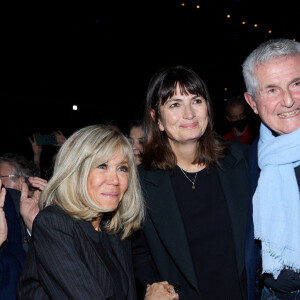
274,263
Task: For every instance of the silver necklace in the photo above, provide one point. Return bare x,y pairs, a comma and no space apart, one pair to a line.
193,182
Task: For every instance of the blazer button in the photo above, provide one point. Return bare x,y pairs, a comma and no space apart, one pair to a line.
109,298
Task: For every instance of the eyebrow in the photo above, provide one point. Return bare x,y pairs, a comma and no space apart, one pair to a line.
275,85
269,86
173,100
179,99
295,80
123,162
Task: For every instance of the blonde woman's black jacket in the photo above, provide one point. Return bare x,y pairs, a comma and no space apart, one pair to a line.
64,262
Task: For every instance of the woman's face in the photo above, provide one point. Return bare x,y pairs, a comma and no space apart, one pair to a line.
184,118
107,183
136,138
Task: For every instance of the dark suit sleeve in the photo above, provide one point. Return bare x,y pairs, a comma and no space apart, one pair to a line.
12,254
10,271
144,267
54,266
145,270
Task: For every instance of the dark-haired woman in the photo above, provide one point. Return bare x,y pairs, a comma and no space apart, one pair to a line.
196,189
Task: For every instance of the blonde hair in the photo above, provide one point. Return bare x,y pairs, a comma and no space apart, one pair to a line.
83,151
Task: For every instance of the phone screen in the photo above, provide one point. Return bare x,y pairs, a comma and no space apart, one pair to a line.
46,139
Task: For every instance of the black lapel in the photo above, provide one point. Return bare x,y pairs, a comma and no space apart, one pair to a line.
233,176
161,202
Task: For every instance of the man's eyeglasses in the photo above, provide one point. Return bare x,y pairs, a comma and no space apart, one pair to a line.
10,176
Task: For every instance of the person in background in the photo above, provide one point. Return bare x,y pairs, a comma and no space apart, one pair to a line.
243,130
46,171
136,139
113,124
23,189
16,169
272,78
60,138
37,151
80,246
20,174
196,190
12,253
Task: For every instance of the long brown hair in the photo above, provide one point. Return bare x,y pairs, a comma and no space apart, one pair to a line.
157,149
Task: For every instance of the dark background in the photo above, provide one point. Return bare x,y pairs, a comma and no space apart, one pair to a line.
101,57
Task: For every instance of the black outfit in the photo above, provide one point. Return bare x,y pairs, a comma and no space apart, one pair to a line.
12,254
16,195
68,259
208,232
167,247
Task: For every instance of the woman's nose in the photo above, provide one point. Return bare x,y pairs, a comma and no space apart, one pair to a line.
188,112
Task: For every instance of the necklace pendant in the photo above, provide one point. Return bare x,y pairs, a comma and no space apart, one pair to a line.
193,182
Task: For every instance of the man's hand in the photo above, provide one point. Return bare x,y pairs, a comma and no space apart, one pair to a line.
29,206
3,223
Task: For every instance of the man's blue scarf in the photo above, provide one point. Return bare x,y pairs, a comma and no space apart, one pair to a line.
276,202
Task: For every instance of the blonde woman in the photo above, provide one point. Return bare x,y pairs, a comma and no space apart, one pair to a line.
89,208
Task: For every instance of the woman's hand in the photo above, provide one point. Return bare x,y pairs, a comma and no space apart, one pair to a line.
161,291
3,223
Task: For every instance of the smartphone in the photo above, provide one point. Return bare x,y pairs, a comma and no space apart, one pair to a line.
46,139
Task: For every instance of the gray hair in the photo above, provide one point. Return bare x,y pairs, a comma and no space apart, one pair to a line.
83,151
264,53
22,166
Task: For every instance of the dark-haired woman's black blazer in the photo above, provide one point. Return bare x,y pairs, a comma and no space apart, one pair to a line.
161,250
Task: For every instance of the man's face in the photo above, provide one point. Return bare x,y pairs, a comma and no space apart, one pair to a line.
9,178
236,112
278,95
